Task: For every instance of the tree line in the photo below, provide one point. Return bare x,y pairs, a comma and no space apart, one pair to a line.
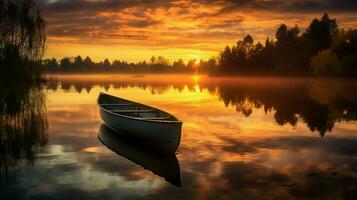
322,49
156,65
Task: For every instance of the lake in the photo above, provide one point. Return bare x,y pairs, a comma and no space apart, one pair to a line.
242,138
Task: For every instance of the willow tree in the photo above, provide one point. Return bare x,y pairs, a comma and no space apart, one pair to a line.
22,41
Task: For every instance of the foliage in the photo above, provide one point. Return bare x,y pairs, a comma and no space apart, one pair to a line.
292,51
325,63
22,40
345,46
321,32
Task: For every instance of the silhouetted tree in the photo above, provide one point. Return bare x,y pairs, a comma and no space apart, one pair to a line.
106,64
78,63
209,66
120,66
345,47
288,47
267,56
22,40
179,66
281,34
226,60
320,33
244,51
88,64
192,65
66,64
51,65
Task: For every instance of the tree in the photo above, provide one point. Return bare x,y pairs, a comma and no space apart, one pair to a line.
22,41
345,47
66,64
226,60
281,34
248,46
267,54
330,25
288,50
191,64
162,61
51,65
106,64
78,64
321,32
153,60
88,64
257,57
179,66
209,66
159,64
325,63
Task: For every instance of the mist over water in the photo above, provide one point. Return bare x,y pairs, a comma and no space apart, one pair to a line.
247,137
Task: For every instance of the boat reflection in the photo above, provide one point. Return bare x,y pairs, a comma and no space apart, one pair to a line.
160,163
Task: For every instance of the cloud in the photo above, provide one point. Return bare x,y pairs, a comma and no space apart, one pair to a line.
292,5
203,25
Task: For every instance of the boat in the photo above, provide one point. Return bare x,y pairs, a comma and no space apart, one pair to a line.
143,123
161,163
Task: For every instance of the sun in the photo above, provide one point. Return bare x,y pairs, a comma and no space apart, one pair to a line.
197,61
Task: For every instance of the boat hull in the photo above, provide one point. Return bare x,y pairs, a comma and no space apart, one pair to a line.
163,135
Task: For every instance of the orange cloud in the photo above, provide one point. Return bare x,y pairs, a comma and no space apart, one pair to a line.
136,30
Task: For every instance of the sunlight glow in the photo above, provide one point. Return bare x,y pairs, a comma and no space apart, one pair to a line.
197,88
196,78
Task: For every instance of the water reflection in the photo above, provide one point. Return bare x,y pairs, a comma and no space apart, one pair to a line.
318,103
306,101
232,145
159,163
23,125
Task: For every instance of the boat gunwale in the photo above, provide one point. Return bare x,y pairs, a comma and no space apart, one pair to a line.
177,121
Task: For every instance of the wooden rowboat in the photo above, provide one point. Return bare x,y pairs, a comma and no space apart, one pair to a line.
144,123
161,163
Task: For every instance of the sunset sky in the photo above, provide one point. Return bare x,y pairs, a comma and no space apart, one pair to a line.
135,30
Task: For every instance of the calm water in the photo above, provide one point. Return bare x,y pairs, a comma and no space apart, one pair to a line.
242,138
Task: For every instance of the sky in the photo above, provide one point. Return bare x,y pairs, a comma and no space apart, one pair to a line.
135,30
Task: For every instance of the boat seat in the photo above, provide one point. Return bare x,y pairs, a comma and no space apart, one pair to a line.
158,118
147,115
116,104
133,111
